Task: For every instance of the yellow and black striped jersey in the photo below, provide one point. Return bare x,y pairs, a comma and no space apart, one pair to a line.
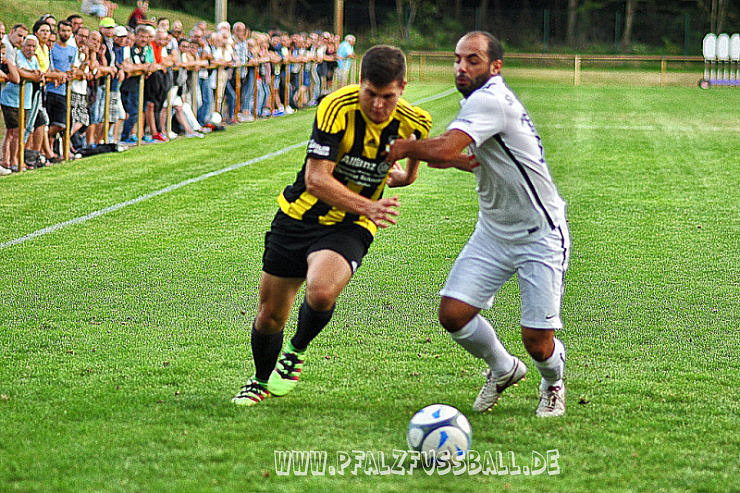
343,134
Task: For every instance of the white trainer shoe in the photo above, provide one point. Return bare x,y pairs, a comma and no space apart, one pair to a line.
491,391
552,401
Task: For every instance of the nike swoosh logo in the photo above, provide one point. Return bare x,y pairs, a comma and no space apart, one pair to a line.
501,388
548,317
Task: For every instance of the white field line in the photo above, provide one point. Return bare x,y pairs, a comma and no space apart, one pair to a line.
170,188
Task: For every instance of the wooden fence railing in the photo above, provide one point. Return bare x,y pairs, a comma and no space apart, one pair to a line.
420,60
218,101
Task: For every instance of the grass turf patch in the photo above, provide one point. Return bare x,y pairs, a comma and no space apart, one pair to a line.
124,337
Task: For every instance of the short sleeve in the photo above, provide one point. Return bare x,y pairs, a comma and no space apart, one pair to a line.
324,145
481,117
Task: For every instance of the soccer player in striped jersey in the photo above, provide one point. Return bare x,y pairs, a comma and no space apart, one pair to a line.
328,217
521,228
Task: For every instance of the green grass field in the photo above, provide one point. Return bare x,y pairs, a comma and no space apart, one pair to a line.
124,336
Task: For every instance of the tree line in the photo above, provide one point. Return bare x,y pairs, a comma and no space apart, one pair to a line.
616,25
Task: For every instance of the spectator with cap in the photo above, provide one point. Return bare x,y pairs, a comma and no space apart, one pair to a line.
107,58
116,112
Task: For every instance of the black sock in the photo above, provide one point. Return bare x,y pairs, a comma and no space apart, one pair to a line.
265,351
310,323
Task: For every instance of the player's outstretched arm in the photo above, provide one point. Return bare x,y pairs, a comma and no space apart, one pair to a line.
321,184
463,162
446,148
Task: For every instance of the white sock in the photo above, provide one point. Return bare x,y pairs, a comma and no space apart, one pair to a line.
553,368
479,339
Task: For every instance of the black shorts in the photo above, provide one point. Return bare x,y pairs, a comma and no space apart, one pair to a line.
289,242
11,117
56,108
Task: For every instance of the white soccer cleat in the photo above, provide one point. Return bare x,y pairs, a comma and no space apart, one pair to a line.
491,391
552,401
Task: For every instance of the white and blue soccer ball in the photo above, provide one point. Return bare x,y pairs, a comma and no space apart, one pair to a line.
440,432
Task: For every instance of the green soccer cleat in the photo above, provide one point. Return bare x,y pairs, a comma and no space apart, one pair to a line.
286,373
252,393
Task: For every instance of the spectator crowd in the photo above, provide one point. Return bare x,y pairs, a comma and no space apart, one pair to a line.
194,82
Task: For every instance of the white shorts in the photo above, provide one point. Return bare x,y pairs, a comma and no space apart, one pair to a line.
486,263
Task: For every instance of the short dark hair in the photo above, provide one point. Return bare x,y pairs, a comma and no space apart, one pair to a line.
74,16
383,64
495,50
64,23
37,25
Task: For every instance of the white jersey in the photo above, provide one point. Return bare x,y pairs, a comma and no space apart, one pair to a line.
517,197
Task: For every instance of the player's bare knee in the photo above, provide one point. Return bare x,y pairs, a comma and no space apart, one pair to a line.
320,299
538,343
450,319
454,314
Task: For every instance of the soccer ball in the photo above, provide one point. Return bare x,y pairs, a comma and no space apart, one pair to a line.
441,432
216,118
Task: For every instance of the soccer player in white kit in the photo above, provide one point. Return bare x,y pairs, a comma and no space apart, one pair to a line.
521,228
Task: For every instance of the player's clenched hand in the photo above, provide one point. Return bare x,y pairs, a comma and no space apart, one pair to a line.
383,212
397,149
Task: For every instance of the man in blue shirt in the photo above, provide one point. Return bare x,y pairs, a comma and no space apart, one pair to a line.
28,69
345,54
62,56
